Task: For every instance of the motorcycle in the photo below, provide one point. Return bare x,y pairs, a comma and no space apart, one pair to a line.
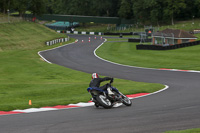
109,97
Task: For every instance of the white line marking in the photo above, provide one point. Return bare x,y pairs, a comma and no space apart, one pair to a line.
53,49
136,66
31,110
166,87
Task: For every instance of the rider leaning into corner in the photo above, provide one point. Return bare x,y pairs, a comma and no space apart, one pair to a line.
96,80
112,93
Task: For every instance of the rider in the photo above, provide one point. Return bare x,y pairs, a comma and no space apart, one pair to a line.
96,80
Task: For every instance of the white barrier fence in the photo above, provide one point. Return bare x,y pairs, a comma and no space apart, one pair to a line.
60,40
81,32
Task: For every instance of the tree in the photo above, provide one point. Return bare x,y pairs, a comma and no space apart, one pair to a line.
84,7
141,10
53,6
103,7
37,7
5,5
21,6
79,7
173,7
196,11
72,7
125,10
156,11
189,11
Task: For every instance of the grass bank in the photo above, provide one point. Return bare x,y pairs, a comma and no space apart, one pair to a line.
25,36
24,76
125,53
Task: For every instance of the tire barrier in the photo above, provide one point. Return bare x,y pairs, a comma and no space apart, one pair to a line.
60,40
109,33
176,46
138,40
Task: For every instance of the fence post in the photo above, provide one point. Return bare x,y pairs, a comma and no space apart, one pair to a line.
47,43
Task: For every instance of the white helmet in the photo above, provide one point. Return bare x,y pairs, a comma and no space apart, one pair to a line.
95,75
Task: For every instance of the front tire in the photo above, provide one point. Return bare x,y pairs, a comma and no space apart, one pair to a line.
104,101
126,101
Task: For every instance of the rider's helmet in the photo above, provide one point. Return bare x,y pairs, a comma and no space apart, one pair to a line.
95,75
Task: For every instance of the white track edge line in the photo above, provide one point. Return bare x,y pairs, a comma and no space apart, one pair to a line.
52,49
136,66
165,88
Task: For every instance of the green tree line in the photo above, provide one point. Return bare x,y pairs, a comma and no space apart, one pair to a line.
143,11
37,7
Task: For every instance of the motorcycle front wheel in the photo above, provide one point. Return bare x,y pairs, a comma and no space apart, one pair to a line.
104,101
126,101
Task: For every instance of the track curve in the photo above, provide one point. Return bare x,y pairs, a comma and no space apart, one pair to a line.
176,108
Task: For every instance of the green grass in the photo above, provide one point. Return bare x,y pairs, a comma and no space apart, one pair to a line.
25,36
125,53
93,27
184,25
4,18
25,76
197,130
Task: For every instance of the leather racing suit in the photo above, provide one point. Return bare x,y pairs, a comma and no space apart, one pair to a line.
97,81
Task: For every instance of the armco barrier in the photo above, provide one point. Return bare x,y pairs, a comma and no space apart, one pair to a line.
156,47
80,32
49,43
99,33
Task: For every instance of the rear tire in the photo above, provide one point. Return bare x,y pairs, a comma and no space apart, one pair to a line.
104,101
96,105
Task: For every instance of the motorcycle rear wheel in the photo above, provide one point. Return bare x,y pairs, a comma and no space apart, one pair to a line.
104,101
96,105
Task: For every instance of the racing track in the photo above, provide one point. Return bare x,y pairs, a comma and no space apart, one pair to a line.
176,108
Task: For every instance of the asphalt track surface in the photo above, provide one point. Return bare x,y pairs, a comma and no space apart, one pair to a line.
176,108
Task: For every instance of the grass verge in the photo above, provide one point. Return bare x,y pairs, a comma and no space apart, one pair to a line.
197,130
189,25
125,53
